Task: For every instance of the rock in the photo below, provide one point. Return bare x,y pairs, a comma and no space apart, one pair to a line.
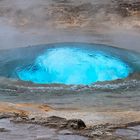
76,124
97,133
128,8
5,116
4,130
59,122
55,121
108,133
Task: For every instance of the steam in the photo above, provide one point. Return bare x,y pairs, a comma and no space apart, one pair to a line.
24,23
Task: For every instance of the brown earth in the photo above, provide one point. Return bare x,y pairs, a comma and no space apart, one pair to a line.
23,109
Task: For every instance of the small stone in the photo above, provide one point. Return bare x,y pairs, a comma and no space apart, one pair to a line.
76,124
108,133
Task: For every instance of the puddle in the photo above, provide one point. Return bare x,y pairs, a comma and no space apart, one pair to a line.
132,133
22,131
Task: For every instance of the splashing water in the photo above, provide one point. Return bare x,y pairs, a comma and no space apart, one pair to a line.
74,65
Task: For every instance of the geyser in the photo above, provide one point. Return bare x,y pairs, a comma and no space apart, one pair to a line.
74,65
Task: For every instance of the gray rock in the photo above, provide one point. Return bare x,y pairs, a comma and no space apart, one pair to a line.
97,133
76,124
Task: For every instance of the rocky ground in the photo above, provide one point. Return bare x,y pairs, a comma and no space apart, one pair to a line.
90,125
69,13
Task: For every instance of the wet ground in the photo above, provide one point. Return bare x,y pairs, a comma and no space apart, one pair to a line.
12,131
131,132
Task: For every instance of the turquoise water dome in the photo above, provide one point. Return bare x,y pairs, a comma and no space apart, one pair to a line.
74,65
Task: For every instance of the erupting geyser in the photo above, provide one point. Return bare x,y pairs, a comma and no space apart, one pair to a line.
74,65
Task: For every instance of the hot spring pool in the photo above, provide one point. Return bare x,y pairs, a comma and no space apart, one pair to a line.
74,65
81,71
68,63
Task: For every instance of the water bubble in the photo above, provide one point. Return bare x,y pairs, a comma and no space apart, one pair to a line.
74,65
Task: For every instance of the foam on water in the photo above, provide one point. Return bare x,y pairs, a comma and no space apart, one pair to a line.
74,65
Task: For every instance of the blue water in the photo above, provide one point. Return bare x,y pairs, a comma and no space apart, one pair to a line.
74,65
